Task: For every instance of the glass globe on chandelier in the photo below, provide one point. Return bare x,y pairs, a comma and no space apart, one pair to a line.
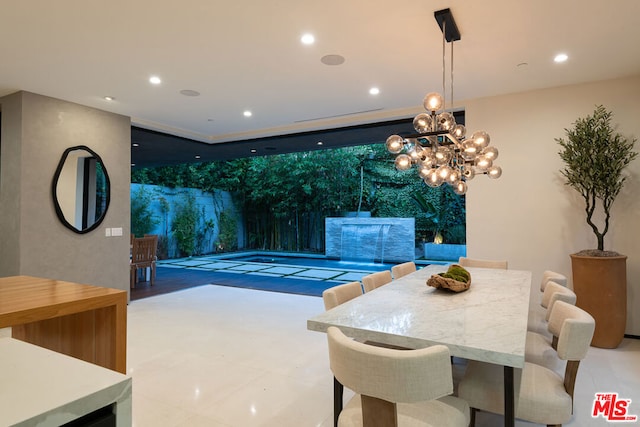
441,150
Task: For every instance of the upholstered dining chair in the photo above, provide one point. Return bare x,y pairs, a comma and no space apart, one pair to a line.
483,263
143,255
332,298
539,315
545,396
548,276
339,294
335,296
395,387
540,348
403,269
375,280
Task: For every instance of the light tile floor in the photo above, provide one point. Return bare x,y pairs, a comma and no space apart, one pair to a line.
220,356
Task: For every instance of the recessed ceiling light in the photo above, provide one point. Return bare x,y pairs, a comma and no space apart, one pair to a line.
307,39
197,156
374,91
561,57
109,98
133,164
253,150
135,144
248,113
320,143
155,80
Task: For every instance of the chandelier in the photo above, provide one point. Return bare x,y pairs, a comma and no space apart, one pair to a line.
441,150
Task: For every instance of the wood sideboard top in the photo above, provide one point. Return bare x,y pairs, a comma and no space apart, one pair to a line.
25,299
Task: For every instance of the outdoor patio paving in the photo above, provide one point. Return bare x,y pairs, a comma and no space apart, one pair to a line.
208,263
297,278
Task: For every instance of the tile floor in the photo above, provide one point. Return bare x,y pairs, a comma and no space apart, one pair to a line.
220,356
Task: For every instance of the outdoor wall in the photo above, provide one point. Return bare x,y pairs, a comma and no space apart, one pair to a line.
529,216
209,204
35,132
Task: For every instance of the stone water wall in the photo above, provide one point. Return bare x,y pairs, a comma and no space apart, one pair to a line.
398,244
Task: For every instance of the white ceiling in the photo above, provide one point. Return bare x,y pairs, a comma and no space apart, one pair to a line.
247,55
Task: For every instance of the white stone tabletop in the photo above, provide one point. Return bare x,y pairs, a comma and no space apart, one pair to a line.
487,322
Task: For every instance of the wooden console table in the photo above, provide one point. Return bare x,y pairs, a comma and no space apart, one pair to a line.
82,321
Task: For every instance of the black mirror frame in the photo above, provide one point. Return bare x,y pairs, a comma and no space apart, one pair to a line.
54,190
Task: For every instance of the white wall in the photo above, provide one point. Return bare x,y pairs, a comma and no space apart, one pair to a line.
529,216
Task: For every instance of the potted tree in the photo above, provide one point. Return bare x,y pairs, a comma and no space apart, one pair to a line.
595,156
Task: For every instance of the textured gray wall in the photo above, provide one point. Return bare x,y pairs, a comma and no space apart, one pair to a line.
35,132
399,244
10,172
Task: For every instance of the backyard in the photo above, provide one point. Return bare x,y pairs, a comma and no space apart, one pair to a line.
280,202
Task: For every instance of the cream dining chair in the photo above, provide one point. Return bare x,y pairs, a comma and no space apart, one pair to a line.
540,348
545,397
403,269
548,276
539,314
395,387
339,294
375,280
483,263
332,298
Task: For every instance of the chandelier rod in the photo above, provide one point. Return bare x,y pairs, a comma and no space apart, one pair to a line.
450,33
451,78
444,87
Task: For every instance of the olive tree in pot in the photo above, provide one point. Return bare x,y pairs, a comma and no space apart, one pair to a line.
595,157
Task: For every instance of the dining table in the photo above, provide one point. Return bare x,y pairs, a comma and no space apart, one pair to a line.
487,322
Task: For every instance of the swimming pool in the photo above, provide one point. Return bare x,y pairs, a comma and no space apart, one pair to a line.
320,262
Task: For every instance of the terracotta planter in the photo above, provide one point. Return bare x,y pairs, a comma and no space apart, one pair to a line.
600,284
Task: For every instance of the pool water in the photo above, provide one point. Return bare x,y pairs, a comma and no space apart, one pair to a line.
313,262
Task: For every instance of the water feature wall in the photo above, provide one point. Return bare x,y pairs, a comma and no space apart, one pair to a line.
370,239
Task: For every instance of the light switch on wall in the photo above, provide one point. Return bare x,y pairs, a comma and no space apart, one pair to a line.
117,231
107,232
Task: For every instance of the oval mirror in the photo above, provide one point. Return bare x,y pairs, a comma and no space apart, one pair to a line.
80,189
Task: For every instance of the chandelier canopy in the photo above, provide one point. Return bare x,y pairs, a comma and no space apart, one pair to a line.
441,150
